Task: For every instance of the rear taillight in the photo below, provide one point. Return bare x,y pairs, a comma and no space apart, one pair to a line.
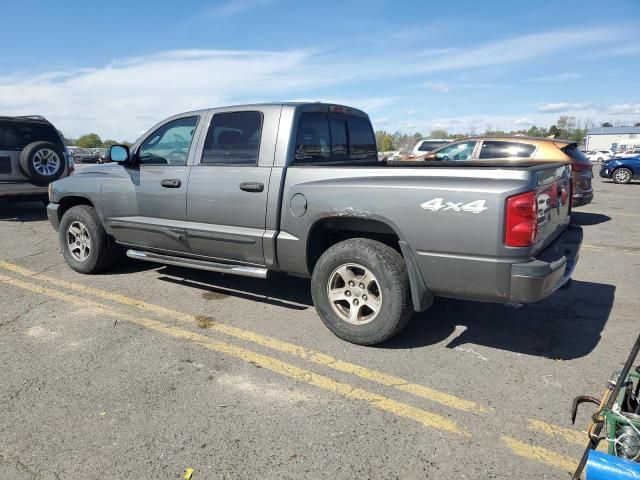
411,156
522,220
580,167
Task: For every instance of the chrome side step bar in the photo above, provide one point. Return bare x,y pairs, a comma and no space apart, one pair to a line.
243,270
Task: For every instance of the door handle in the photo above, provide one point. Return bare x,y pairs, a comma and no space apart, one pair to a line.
171,183
252,186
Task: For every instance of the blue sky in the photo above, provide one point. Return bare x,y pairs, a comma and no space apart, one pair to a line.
118,67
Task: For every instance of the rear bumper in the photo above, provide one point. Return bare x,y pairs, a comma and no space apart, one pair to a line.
52,213
583,198
21,189
534,280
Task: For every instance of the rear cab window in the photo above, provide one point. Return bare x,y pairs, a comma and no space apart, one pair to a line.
334,138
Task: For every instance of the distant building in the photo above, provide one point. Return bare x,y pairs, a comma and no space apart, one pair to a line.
617,139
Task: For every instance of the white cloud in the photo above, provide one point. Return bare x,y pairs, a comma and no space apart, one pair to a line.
232,7
518,49
624,108
128,96
525,122
562,77
439,87
563,107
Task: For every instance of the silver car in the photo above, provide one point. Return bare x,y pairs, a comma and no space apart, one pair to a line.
32,155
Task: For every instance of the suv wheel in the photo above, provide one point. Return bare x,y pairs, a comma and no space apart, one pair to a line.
360,288
84,242
622,175
42,162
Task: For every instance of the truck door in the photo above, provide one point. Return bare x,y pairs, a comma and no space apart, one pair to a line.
228,186
146,204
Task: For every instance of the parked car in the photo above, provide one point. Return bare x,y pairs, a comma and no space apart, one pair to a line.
32,155
425,146
621,170
627,154
518,148
598,155
84,155
102,153
298,188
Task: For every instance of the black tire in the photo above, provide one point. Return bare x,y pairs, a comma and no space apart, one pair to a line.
100,256
36,166
626,178
389,270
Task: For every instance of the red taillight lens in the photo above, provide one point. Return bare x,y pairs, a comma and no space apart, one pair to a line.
580,167
411,156
522,220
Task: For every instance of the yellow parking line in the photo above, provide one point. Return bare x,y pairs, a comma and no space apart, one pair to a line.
269,342
539,454
598,248
424,417
571,436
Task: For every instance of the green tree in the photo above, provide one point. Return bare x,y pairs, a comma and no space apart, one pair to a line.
555,131
387,143
109,142
89,140
439,133
537,132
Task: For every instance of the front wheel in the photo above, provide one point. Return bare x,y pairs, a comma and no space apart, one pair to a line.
84,242
360,288
622,175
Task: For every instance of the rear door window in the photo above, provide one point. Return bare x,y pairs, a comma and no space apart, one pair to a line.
493,149
233,139
334,138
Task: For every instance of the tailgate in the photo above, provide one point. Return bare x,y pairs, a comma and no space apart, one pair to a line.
553,193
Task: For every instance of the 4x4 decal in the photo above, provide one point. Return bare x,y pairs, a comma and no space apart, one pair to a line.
438,204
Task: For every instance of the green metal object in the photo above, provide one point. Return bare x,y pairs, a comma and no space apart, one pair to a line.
615,420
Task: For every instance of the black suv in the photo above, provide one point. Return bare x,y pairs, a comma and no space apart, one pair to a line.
32,155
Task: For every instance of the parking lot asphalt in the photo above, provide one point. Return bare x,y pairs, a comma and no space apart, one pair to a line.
149,370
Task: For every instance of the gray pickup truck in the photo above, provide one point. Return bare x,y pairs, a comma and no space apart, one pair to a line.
298,188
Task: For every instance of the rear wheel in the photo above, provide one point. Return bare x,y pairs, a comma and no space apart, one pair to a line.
360,288
84,242
622,175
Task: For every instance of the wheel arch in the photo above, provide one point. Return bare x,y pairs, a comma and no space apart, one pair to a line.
328,231
65,203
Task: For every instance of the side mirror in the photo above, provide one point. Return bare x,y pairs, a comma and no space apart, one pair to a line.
119,153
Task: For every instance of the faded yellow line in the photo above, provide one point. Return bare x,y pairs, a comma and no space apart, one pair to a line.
539,454
380,402
598,248
571,436
289,348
